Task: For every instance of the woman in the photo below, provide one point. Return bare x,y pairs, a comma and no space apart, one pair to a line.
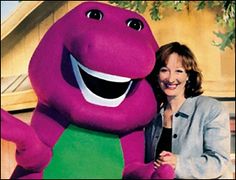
190,132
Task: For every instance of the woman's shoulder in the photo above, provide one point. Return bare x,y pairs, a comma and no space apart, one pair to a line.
208,103
206,100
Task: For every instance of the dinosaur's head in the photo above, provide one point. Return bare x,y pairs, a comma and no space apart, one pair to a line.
91,66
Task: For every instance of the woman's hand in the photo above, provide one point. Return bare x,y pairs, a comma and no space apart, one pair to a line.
165,157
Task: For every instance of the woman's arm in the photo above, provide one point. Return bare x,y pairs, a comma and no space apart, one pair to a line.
216,149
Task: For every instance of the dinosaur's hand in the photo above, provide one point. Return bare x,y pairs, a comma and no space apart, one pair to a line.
31,152
164,172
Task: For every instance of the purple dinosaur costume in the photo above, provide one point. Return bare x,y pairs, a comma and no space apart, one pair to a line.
93,101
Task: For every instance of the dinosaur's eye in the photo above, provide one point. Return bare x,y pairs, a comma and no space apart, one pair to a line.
94,14
135,24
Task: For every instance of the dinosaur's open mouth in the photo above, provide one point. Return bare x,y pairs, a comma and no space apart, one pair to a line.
100,88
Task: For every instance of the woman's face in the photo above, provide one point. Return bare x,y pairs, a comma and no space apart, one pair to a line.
172,77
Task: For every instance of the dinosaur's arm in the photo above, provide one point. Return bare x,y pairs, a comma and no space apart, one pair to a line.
135,168
31,152
34,142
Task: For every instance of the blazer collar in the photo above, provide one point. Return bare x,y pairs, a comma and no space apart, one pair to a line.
185,110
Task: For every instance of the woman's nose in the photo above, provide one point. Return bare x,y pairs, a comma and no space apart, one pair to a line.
171,77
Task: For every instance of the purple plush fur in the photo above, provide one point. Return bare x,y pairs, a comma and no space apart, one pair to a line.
108,46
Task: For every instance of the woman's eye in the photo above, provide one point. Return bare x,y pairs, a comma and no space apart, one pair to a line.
135,24
163,70
179,71
95,14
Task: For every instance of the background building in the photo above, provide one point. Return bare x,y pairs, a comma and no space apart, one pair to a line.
22,31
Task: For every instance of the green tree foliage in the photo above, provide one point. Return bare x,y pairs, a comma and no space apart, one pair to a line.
225,14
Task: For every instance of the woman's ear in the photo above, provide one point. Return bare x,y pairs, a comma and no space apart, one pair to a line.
188,74
187,79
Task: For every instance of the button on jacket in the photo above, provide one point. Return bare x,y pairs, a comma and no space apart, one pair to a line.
200,139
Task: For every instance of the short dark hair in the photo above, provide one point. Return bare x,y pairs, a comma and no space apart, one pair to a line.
193,86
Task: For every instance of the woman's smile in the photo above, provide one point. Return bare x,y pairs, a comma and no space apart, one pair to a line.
171,86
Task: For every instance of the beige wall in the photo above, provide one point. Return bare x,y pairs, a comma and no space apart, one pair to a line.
193,28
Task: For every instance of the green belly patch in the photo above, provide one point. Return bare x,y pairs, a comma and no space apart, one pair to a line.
86,154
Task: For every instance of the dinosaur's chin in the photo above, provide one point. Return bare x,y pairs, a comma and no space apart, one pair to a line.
100,88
